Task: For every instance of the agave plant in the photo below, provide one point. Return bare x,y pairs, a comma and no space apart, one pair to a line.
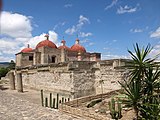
150,108
133,93
142,80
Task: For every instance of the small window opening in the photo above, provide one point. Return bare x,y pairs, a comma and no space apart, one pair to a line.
30,58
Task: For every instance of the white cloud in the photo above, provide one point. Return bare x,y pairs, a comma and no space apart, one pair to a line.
111,56
126,9
114,2
16,34
136,30
60,24
53,36
15,31
71,30
156,34
68,5
4,59
84,41
91,43
114,40
82,34
75,28
9,46
106,48
83,19
15,25
155,51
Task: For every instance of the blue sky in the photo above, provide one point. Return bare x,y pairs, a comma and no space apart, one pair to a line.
106,26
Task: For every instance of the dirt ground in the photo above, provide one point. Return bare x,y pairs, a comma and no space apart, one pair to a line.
103,109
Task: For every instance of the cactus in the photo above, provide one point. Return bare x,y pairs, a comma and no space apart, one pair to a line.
115,112
62,99
119,109
57,101
54,101
46,102
42,98
50,101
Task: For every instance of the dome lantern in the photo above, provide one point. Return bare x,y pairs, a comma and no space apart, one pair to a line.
63,46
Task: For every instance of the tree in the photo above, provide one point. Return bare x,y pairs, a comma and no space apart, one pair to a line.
11,65
3,72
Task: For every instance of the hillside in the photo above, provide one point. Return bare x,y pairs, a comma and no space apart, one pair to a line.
4,64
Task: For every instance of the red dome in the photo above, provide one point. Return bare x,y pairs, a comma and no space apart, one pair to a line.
64,47
78,48
46,43
25,50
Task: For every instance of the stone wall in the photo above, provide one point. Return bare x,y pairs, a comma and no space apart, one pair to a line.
107,76
48,81
83,82
18,59
76,78
22,59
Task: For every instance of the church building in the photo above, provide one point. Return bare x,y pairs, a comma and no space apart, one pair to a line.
47,52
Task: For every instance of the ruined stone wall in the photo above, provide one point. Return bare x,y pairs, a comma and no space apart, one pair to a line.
108,75
83,83
51,81
76,78
48,78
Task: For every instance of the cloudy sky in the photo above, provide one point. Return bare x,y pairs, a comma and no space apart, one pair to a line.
107,26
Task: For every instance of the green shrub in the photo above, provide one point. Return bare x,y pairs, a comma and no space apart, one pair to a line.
3,71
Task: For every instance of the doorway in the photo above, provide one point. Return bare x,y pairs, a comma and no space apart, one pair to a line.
53,59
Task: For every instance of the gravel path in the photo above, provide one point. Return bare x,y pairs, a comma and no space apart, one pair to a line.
15,107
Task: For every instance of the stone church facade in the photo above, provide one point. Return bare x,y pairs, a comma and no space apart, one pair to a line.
47,52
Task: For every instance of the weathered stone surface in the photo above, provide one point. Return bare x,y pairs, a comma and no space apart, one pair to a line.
76,78
11,80
17,108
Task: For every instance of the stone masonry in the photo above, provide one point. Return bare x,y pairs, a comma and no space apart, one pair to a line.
74,79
